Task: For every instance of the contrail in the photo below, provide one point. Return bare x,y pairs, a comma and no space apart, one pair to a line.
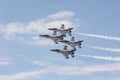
117,59
100,36
107,49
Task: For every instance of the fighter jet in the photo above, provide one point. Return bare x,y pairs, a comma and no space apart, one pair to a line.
55,38
62,30
65,52
72,42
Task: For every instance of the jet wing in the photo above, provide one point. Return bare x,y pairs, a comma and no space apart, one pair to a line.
69,29
65,41
60,36
62,52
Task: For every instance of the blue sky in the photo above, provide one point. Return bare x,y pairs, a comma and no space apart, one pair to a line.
25,56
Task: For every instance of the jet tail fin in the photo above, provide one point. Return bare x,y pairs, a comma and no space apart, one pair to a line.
65,48
62,26
54,32
73,39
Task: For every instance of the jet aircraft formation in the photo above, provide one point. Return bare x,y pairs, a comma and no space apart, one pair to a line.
60,38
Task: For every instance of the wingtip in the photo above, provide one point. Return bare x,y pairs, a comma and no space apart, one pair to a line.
81,40
75,49
51,49
39,35
71,28
49,28
73,56
67,57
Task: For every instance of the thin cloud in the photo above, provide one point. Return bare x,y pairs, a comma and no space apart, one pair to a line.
116,59
115,79
35,61
62,15
40,42
62,70
40,63
107,49
4,61
24,75
24,31
102,68
100,36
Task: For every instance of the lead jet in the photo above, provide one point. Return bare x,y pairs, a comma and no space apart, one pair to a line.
72,42
62,30
55,38
65,52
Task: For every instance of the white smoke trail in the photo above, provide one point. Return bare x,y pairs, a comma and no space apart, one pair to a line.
107,49
116,59
100,36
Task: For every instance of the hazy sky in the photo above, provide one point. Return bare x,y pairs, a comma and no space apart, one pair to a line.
26,56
